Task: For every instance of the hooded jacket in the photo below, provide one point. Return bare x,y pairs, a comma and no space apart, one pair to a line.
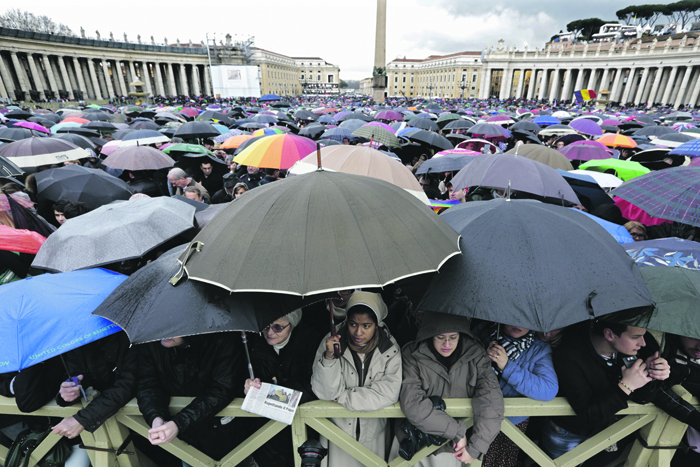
339,379
470,376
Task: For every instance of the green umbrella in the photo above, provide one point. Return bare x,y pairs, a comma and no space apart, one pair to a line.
378,134
625,170
319,232
447,118
676,292
187,148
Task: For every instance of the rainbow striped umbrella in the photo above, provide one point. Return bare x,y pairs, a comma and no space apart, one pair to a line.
267,132
276,152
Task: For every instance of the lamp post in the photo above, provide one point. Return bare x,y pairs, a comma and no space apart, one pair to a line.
463,86
430,89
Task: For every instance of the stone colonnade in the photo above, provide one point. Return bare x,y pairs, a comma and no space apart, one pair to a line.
30,75
644,84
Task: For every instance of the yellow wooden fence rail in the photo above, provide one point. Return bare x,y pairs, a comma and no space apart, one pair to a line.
657,429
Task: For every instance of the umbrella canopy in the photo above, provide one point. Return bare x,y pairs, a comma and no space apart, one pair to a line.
690,149
587,189
378,134
540,266
48,315
673,252
8,135
584,152
424,124
654,130
33,152
460,125
350,231
617,141
338,134
603,180
446,163
113,233
543,154
431,139
362,160
624,170
671,194
586,126
388,115
143,137
138,158
276,151
163,311
81,184
193,130
676,294
498,171
80,141
488,130
20,240
673,140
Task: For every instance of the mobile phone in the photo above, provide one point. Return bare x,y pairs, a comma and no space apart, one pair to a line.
629,360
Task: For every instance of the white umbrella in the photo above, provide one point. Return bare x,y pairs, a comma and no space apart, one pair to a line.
604,180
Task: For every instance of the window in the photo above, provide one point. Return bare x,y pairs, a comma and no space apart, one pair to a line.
319,77
411,80
302,76
404,79
474,78
330,78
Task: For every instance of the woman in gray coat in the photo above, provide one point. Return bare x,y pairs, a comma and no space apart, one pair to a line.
446,361
365,377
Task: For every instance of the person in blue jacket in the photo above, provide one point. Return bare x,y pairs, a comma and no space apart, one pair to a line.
523,364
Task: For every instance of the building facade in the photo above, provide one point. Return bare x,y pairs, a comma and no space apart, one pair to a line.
36,66
641,70
444,76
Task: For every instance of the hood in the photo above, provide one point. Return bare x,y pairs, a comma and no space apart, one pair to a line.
373,301
433,324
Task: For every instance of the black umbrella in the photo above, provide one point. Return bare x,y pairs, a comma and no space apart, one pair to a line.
424,124
80,141
210,115
653,130
34,152
97,116
356,116
197,205
431,139
460,124
148,308
312,131
149,125
8,135
45,122
305,115
387,234
526,135
79,131
193,130
588,191
9,169
120,134
533,265
53,117
80,184
189,160
528,126
352,125
447,163
100,126
18,114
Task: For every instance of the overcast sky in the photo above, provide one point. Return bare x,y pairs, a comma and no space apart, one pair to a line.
341,32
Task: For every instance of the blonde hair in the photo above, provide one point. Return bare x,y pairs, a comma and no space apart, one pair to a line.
632,224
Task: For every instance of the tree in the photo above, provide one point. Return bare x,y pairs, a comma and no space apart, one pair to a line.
626,14
681,12
343,84
18,19
650,13
585,27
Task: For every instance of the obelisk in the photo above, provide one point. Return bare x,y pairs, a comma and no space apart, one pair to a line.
379,78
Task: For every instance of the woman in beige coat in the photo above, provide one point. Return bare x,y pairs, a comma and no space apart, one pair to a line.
366,377
445,360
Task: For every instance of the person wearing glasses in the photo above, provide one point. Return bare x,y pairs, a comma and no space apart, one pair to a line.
446,361
282,354
637,230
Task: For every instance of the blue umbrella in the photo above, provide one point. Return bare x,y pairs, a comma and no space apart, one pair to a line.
690,148
269,97
666,252
545,120
222,129
48,315
617,231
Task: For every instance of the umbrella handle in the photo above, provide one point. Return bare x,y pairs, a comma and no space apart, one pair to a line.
195,246
336,347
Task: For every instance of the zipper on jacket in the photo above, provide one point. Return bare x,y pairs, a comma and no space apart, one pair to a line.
362,383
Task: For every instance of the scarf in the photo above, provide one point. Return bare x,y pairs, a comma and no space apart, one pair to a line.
281,345
514,347
683,359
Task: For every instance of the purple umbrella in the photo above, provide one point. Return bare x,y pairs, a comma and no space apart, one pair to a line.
523,174
584,152
339,115
586,126
611,122
389,115
33,126
380,125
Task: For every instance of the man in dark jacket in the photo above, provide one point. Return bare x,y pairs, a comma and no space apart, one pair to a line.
203,367
252,177
226,193
599,371
107,365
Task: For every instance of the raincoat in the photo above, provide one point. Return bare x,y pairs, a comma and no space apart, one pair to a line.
338,379
470,376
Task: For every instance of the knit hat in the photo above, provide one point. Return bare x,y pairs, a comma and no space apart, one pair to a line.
294,317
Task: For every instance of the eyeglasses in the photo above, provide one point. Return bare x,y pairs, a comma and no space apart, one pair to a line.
276,328
443,339
637,235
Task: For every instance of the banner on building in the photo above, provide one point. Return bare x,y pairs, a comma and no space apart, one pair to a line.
235,80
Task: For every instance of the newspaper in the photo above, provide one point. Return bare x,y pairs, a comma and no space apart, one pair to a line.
272,401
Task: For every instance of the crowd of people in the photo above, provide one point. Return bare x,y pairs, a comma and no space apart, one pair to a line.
385,350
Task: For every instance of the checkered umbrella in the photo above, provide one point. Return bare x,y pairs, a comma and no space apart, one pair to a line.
672,194
378,134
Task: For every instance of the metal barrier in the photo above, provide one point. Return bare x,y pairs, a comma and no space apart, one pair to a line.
657,429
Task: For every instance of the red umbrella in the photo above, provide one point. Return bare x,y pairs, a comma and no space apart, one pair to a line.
20,240
190,112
